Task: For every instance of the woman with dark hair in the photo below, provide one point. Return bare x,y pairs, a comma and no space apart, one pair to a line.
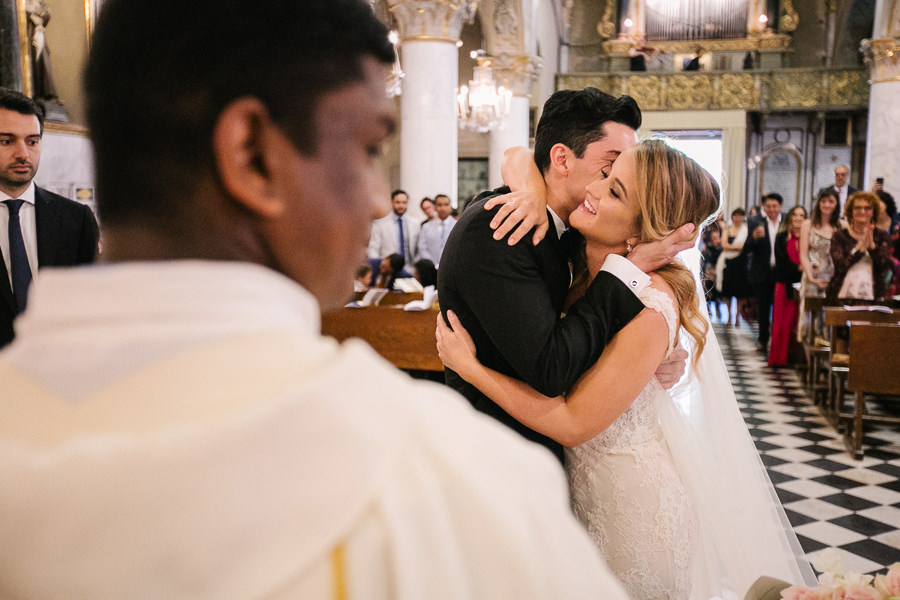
731,270
787,273
425,272
861,254
815,251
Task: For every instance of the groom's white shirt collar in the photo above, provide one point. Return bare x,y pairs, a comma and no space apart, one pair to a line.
557,223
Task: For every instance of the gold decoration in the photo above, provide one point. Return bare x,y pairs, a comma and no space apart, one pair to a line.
606,28
790,19
785,89
883,58
773,42
738,91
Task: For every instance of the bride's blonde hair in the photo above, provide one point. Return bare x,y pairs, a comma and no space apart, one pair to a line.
673,190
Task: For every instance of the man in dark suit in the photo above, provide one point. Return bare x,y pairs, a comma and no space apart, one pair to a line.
760,247
37,228
841,187
509,298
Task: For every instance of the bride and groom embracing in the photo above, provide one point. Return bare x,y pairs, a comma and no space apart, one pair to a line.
668,484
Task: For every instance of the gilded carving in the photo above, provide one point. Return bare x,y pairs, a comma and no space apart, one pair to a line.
769,42
796,89
439,20
606,28
883,58
647,90
790,19
738,91
684,92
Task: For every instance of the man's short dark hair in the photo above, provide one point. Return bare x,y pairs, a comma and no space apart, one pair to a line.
773,196
396,193
573,118
22,104
738,212
160,73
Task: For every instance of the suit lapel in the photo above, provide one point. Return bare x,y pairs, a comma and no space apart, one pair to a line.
5,288
47,226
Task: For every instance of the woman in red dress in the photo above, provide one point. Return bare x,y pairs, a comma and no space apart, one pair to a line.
787,273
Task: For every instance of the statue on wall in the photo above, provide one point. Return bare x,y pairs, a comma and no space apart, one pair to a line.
42,73
506,20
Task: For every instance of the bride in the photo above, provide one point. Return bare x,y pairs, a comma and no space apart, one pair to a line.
669,512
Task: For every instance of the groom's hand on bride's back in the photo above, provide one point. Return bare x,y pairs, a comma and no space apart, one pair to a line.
650,256
672,368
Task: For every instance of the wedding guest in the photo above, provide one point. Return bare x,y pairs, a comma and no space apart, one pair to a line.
787,273
761,246
815,252
861,254
363,278
389,270
424,272
711,244
731,268
427,206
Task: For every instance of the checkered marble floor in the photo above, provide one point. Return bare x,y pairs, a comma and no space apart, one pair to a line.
831,499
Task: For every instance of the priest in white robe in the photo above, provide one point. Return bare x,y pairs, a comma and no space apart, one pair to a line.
173,425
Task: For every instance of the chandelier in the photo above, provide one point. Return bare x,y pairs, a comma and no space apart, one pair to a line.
482,105
393,85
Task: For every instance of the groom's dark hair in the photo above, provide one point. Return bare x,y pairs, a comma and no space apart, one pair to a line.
574,118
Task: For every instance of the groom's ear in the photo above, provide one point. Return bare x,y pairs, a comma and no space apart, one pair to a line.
560,155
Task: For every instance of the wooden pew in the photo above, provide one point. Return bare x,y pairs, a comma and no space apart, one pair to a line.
837,363
874,368
816,355
405,338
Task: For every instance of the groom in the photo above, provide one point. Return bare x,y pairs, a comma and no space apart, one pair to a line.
510,298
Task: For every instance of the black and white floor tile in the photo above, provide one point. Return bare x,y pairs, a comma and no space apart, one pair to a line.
831,499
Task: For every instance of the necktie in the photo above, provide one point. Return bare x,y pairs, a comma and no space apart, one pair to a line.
402,238
443,230
18,258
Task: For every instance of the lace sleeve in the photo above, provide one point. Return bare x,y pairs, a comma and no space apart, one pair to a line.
662,303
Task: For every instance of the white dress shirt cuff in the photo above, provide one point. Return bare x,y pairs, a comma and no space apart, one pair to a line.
625,271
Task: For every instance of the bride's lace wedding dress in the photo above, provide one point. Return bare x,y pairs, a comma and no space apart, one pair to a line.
627,491
674,492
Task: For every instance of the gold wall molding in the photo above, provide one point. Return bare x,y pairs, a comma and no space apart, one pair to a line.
768,42
883,58
784,89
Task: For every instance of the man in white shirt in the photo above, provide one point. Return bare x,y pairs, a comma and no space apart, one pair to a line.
761,246
395,233
210,443
434,233
37,228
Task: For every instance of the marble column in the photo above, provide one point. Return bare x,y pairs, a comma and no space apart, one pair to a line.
429,31
10,54
883,138
517,74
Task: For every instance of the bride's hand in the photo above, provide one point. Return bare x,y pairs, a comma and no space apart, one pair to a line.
650,256
527,209
455,346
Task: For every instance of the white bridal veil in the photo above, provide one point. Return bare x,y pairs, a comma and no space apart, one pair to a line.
744,530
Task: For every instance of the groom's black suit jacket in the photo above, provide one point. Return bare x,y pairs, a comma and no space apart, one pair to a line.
67,235
509,298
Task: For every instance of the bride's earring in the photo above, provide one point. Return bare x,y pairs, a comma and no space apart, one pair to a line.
628,247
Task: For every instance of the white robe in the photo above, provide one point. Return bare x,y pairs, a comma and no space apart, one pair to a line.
181,430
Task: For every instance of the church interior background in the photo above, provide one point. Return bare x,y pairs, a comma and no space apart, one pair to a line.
785,91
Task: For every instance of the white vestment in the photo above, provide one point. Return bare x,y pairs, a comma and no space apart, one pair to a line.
181,430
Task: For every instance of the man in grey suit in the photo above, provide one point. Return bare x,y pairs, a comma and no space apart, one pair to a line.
37,228
395,233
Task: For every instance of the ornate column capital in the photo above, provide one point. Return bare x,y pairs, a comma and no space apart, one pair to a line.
437,20
515,73
883,58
